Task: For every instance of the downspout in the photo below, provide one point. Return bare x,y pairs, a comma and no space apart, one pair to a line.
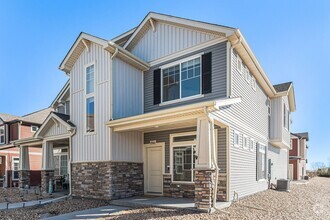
70,161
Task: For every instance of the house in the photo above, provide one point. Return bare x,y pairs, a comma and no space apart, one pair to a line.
13,128
173,107
298,156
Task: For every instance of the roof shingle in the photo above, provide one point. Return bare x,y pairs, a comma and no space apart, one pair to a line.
282,87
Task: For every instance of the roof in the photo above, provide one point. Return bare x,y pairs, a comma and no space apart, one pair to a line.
65,118
8,117
283,87
60,95
37,117
303,135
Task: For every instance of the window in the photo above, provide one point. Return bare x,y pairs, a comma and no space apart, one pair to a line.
61,108
239,65
183,156
67,107
15,167
34,128
285,117
182,80
236,139
289,120
90,105
2,134
247,75
254,83
261,162
61,165
251,144
245,142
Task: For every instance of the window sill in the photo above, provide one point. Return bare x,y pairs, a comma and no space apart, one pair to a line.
182,183
262,180
181,100
90,133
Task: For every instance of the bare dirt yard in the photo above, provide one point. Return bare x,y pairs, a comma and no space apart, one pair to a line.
310,201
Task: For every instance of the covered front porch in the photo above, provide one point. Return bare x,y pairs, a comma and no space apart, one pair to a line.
54,139
185,152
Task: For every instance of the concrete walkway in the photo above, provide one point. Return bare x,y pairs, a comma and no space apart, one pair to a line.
6,205
95,213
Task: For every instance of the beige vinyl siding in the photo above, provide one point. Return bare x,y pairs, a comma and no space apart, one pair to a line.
219,79
55,130
276,118
91,147
250,118
127,90
280,162
127,146
167,39
164,136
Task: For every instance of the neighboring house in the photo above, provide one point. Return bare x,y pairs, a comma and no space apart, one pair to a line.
13,128
165,108
298,156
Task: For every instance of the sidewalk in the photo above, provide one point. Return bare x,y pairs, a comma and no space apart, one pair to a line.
3,206
95,213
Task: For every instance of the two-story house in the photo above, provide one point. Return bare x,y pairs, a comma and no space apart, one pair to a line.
173,107
13,128
298,156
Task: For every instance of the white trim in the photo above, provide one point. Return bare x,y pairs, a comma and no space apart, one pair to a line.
251,140
2,127
238,59
89,95
187,51
12,167
177,62
182,100
145,159
239,137
254,83
2,152
246,147
33,126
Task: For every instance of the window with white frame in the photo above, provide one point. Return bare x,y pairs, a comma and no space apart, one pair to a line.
245,142
239,65
236,139
90,110
2,134
251,144
254,83
247,75
61,164
181,80
15,167
285,117
261,161
61,108
183,157
34,128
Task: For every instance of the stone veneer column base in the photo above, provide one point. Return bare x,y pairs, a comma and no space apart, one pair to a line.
24,178
46,175
177,190
107,180
204,180
222,187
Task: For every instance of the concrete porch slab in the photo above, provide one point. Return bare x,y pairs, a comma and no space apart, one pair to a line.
162,202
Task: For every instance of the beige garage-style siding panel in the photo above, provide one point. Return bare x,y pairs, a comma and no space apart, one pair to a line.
91,147
166,40
280,162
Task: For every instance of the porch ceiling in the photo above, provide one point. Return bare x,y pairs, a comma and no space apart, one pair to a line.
176,117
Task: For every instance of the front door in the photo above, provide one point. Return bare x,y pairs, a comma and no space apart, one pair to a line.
154,170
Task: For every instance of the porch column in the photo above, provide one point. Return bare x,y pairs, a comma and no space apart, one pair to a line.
24,167
204,171
47,171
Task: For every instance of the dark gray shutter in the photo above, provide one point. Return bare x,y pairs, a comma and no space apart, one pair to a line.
157,86
207,73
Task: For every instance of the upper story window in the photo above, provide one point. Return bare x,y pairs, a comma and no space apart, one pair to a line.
247,75
181,80
236,139
2,134
34,128
254,83
239,65
90,105
286,117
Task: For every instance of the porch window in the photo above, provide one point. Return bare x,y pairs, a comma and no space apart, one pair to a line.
184,163
2,135
90,119
15,165
181,80
261,161
61,165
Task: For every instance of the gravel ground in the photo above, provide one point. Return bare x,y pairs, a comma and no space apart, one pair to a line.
310,201
52,209
13,195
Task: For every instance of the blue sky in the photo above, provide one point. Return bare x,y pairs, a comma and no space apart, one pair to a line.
290,39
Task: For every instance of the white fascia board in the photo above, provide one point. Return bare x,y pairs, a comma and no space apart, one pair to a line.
60,95
123,35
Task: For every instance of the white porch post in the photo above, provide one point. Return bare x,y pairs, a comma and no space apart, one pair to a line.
24,167
47,172
204,170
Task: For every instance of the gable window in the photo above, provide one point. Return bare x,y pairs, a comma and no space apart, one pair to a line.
181,80
261,161
90,105
2,134
183,147
15,167
34,128
254,83
247,75
236,139
239,65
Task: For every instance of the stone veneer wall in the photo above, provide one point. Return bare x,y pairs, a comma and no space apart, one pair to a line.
177,190
222,187
24,178
46,175
107,180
